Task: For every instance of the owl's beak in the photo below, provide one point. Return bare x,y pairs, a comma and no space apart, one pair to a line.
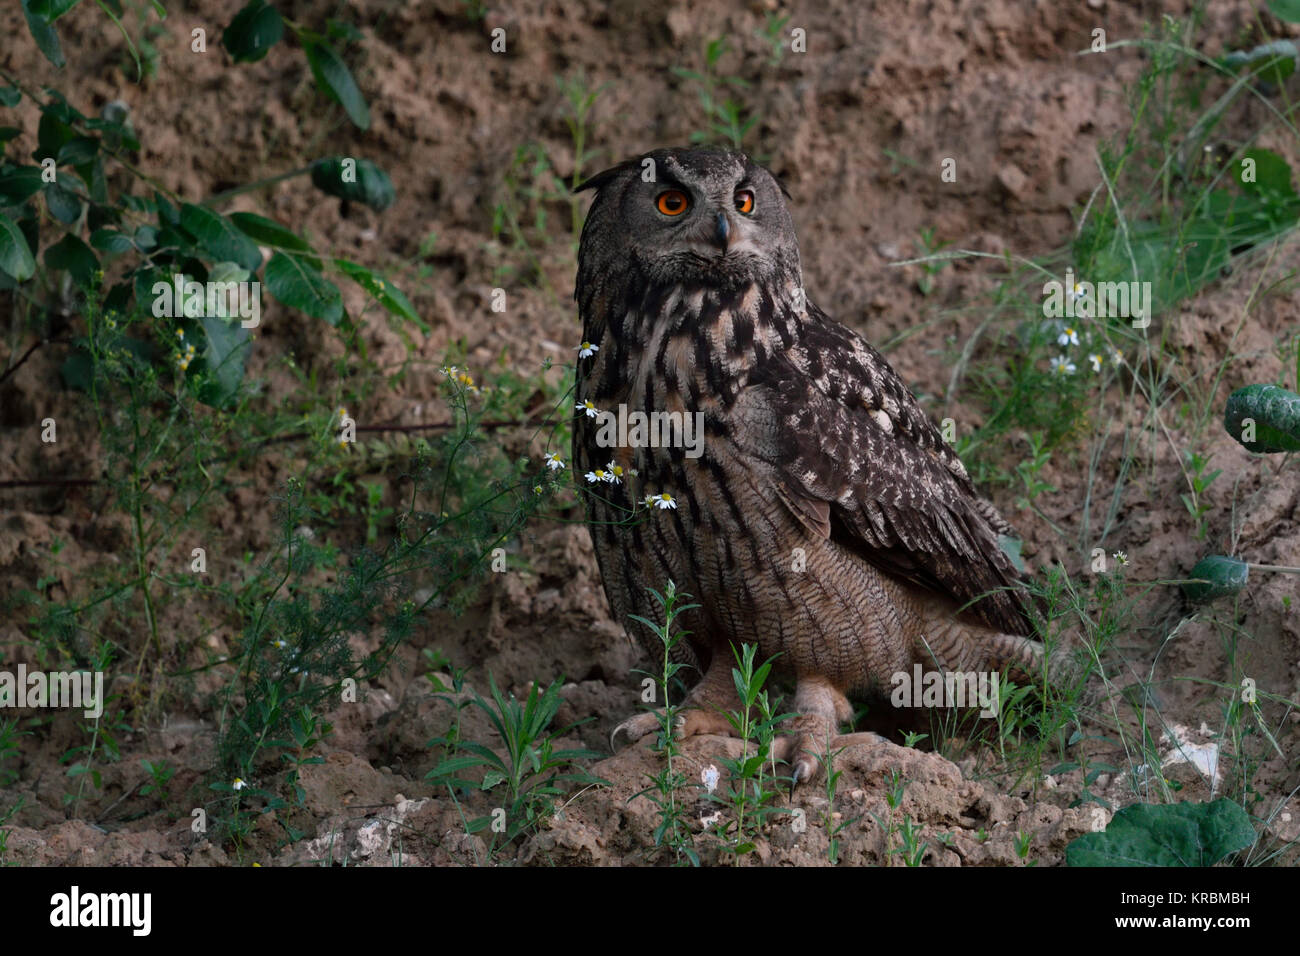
722,231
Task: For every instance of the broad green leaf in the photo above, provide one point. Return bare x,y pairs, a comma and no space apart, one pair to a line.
228,272
47,41
267,232
18,184
78,150
1271,173
1217,576
1287,11
218,237
383,291
255,29
63,204
357,180
228,345
1272,62
1179,834
51,10
1263,418
10,96
146,237
333,76
293,281
15,255
51,133
110,241
73,256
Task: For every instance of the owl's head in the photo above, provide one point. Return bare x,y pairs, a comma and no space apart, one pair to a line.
689,216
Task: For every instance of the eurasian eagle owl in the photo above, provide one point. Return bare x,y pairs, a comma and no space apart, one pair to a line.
816,509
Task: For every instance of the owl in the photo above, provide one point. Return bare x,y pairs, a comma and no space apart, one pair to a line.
739,442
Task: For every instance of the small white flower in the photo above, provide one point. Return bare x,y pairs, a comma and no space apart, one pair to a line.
1062,365
597,475
537,489
1121,557
1116,357
448,370
709,777
278,643
587,406
587,350
1068,337
1095,359
614,473
553,461
663,502
239,784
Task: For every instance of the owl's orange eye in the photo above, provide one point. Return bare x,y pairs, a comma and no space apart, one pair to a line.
745,201
672,203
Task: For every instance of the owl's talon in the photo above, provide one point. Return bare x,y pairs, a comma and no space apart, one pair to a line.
636,727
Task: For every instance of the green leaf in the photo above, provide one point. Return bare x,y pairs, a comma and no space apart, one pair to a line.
382,291
15,255
10,96
78,150
1272,174
73,256
1271,62
333,76
1273,414
1287,11
1218,576
18,184
1180,834
226,355
110,241
452,766
255,29
146,237
51,134
267,232
357,180
63,204
228,272
217,236
293,281
51,10
47,41
491,779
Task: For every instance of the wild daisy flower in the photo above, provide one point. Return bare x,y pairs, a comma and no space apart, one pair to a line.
1062,365
1068,336
554,461
587,406
662,501
587,350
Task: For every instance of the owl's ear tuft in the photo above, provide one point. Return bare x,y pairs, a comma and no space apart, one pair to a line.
601,179
780,183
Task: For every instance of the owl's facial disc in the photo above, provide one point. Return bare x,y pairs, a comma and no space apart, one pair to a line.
715,219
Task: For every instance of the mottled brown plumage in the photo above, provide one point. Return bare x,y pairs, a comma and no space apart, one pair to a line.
826,519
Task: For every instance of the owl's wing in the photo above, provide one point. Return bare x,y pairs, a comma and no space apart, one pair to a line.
859,462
